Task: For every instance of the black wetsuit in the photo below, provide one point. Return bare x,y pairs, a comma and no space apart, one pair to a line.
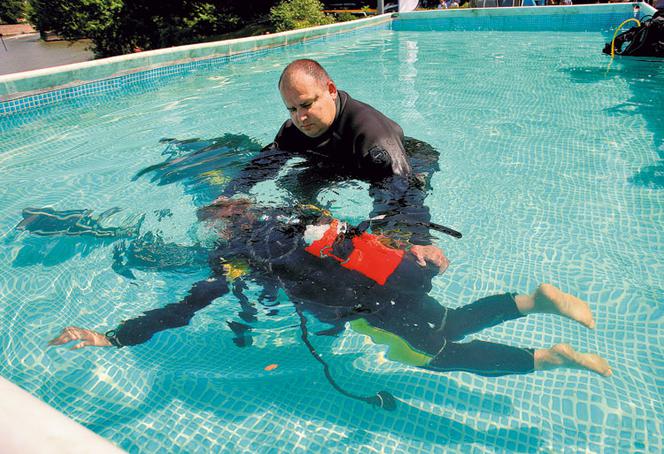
362,144
275,249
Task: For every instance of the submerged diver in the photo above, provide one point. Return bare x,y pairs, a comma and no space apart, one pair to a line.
343,274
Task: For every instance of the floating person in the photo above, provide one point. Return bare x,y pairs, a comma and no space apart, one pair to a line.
343,274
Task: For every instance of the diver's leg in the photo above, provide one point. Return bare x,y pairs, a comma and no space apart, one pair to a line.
493,360
481,314
548,299
483,358
495,309
564,356
426,325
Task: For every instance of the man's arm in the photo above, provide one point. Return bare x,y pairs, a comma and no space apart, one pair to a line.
399,195
401,179
263,167
141,329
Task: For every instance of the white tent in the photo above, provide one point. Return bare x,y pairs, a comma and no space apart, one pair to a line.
407,5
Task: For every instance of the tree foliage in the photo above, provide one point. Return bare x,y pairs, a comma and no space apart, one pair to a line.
11,11
292,14
119,26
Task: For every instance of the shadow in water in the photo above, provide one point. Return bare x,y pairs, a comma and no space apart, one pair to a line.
234,397
202,166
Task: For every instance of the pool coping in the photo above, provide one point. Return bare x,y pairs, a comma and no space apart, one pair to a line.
29,425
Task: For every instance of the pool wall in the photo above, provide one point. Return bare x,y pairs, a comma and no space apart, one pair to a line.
582,18
29,90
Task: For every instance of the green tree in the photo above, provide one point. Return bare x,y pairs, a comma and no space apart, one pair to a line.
119,26
292,14
11,11
73,19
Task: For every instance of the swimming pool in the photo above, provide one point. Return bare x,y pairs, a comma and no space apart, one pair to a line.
550,166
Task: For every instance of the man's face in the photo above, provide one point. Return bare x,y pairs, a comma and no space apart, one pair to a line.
312,104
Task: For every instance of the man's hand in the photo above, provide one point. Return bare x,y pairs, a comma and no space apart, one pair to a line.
431,254
90,338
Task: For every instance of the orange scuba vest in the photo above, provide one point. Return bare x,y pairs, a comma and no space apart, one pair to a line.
369,257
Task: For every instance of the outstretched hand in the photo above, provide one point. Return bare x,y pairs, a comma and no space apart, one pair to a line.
90,338
431,254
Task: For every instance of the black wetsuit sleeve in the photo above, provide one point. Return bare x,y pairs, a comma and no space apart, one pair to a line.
141,329
379,143
400,200
263,167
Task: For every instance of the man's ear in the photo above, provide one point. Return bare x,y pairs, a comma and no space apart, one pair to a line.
332,89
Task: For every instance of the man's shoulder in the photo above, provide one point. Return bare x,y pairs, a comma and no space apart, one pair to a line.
356,108
362,118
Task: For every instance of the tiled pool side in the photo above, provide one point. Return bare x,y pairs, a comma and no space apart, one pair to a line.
28,90
579,18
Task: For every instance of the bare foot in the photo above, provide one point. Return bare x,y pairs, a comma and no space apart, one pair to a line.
551,300
563,355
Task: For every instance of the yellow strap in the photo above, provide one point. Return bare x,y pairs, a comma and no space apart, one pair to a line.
235,269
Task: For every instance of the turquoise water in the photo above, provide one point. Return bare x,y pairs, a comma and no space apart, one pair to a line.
550,166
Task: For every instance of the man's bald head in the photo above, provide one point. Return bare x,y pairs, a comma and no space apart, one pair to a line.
307,67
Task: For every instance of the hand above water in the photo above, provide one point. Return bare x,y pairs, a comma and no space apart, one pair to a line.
90,338
431,254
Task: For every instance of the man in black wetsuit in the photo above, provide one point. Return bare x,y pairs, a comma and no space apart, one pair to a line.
342,138
343,274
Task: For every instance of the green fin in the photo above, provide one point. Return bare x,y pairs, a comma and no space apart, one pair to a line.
398,349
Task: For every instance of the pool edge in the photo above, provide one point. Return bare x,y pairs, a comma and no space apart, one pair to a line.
29,425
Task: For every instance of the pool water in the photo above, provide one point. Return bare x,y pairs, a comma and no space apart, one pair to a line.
551,166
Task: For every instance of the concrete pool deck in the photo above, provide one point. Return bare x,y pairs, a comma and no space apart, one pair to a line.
26,51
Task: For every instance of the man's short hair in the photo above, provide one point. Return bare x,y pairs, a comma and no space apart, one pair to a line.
307,66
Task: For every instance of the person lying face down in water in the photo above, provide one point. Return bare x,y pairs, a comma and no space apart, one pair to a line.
343,274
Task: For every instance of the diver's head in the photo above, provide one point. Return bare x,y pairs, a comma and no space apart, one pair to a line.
230,216
224,208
